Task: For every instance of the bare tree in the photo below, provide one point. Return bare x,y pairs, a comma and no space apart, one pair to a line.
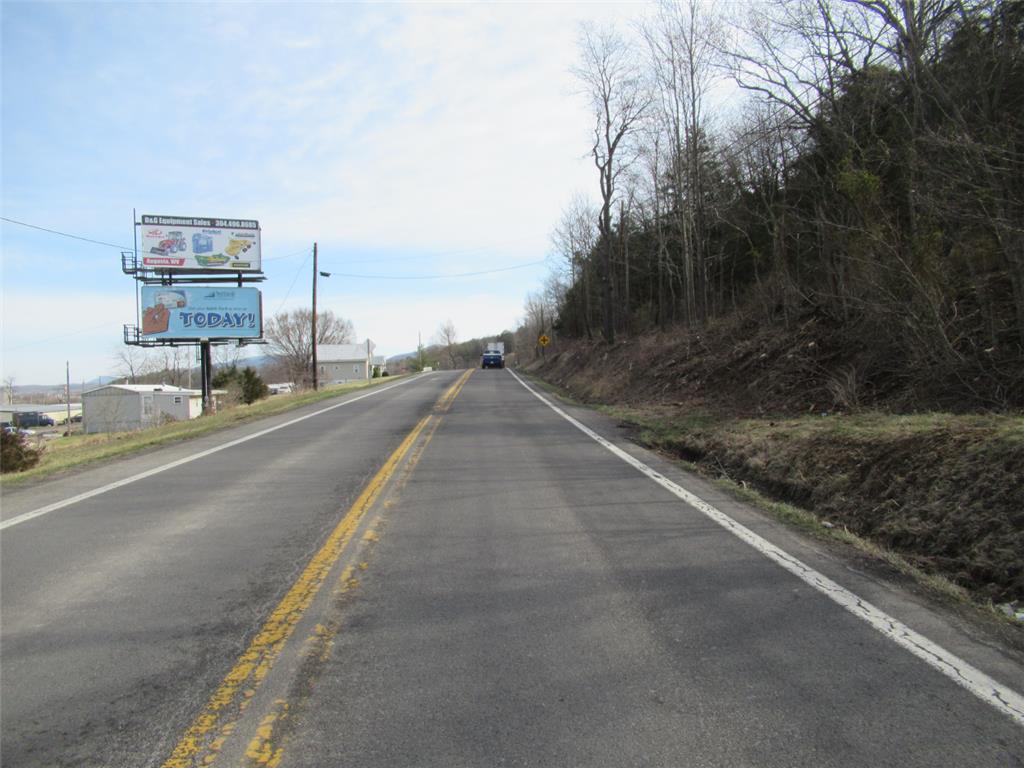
575,239
614,85
227,355
539,311
175,364
133,362
290,337
447,337
798,54
684,44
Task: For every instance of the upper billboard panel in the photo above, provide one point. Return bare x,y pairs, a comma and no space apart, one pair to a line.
191,243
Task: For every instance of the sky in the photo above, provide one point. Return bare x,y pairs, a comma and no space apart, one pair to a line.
412,142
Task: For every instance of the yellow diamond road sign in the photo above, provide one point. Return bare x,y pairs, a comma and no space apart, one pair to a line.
543,340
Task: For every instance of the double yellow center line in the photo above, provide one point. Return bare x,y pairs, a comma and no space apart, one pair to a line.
445,403
208,732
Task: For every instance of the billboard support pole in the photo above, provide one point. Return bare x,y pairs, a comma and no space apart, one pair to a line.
67,391
206,360
316,377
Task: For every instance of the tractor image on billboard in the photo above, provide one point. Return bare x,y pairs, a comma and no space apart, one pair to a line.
174,242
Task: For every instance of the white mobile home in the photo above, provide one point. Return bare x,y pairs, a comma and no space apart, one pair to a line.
125,407
339,363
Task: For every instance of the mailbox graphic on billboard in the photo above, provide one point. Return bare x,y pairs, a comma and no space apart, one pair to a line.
201,312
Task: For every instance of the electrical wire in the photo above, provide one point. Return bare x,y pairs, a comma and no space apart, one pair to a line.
114,245
282,258
66,234
440,277
298,272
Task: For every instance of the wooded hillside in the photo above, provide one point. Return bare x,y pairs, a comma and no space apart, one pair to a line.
873,180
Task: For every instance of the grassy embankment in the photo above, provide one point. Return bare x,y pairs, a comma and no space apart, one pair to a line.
78,449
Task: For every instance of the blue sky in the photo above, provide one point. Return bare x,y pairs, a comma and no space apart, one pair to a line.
406,139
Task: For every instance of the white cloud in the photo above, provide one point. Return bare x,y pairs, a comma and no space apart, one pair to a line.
468,131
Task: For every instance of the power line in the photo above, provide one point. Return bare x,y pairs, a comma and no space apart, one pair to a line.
66,234
289,256
114,245
302,266
440,277
340,274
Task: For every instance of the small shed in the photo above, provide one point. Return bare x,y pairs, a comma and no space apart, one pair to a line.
126,407
340,363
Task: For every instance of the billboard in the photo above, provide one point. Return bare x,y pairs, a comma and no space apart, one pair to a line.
201,312
192,243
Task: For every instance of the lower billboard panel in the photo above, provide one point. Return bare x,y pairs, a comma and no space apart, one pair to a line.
201,312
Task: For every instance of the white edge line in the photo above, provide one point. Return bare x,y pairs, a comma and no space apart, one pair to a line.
1004,699
25,517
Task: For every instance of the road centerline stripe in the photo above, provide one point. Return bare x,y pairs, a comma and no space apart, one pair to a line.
206,736
445,403
25,517
254,664
267,746
1001,697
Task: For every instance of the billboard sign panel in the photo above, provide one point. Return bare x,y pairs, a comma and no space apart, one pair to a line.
201,312
195,243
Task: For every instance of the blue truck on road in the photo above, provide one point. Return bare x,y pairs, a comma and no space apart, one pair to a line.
494,355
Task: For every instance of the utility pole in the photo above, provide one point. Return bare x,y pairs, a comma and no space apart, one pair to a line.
316,378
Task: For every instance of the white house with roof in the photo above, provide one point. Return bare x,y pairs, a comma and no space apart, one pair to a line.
126,407
340,363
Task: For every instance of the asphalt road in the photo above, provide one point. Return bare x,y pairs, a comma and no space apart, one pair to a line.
500,589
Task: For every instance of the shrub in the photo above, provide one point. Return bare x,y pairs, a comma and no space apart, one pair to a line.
224,377
15,454
253,387
246,384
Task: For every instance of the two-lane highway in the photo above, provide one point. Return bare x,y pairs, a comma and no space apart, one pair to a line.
508,583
